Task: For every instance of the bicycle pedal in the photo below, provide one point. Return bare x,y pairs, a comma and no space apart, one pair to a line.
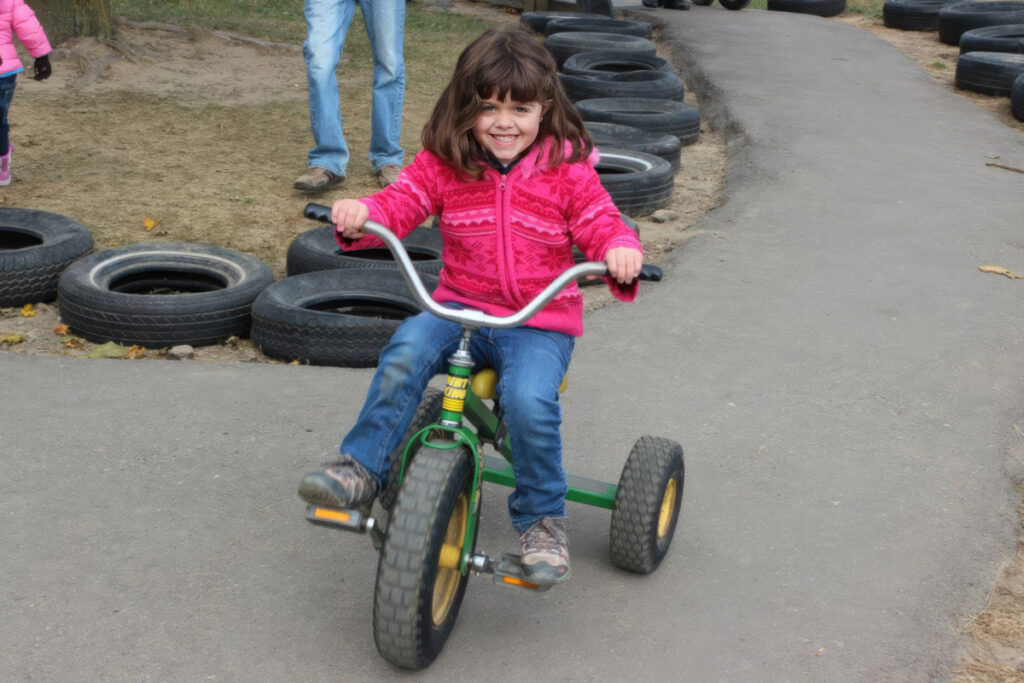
509,572
357,520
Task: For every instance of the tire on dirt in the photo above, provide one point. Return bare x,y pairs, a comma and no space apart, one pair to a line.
647,504
1017,98
35,246
341,317
564,45
536,21
159,294
608,64
1007,38
632,84
660,116
428,412
734,5
664,145
957,18
590,23
913,15
989,73
638,183
415,601
317,249
821,8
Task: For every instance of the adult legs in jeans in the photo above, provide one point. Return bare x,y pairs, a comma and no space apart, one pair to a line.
385,26
530,364
327,24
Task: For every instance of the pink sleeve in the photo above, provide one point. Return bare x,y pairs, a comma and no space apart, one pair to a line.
30,31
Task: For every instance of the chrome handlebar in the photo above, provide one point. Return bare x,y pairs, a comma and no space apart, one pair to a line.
470,317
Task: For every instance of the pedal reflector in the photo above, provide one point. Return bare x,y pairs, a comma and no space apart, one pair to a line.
351,520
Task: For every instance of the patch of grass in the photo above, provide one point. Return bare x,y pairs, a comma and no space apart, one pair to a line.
939,65
868,8
284,20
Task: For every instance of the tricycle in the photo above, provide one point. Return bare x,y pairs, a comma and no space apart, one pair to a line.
426,536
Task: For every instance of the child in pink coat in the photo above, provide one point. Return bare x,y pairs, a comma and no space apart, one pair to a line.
17,19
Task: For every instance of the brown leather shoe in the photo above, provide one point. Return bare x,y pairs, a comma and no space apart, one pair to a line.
388,174
317,180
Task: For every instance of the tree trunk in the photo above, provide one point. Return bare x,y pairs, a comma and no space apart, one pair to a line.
63,19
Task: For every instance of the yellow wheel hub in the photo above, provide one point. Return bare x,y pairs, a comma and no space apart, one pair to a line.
668,507
446,584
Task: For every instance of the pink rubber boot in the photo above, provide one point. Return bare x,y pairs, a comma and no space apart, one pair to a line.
5,167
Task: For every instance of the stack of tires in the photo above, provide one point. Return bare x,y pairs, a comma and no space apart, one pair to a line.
631,102
35,248
821,8
340,308
990,36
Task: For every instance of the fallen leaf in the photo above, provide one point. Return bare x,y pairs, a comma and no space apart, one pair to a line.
11,339
820,652
999,270
72,342
135,352
61,330
108,350
28,311
149,223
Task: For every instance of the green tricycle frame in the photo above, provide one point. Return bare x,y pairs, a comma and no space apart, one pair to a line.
432,499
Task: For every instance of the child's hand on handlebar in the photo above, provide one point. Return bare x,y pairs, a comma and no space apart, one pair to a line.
349,216
624,264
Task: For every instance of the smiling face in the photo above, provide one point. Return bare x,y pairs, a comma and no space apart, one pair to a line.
506,128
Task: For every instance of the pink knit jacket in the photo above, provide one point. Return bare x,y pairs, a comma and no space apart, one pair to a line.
17,18
506,237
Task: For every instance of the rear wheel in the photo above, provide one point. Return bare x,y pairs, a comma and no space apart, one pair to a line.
647,504
419,586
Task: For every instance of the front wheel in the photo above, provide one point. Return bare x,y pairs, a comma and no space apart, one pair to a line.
419,585
647,504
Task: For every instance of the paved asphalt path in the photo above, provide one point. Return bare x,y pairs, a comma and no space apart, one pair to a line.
844,380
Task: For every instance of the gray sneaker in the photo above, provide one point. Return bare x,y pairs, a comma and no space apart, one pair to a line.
317,180
341,483
388,174
545,558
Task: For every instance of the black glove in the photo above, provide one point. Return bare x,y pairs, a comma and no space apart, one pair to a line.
43,69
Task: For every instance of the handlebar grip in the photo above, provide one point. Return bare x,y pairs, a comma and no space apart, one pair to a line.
317,212
649,271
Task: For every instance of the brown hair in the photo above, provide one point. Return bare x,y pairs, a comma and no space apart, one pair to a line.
500,63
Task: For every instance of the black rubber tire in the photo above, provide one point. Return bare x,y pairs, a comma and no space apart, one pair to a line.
317,249
437,489
159,294
564,45
664,145
1017,99
35,246
536,21
660,85
734,5
598,24
658,116
428,412
341,318
703,3
1007,38
651,484
821,8
638,183
957,18
913,15
989,73
606,64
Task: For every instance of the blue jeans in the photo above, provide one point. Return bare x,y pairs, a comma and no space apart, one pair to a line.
7,84
530,363
327,24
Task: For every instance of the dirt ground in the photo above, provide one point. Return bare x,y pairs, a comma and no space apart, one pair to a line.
202,133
